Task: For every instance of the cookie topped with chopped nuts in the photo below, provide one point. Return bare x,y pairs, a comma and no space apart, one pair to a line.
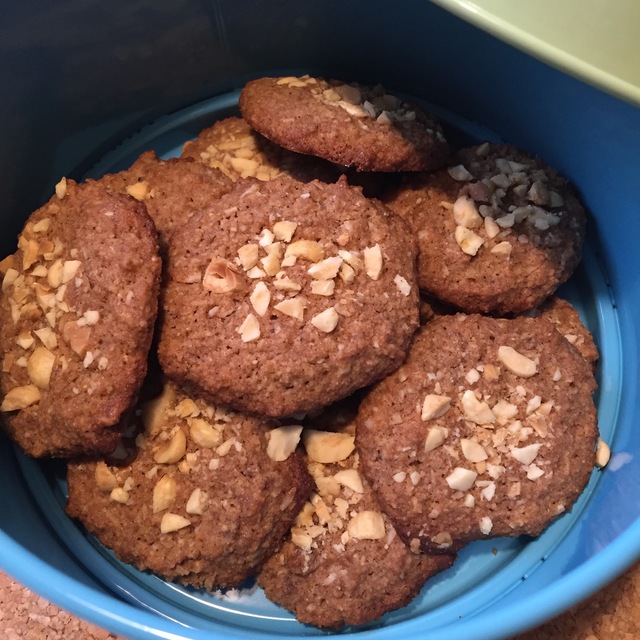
343,563
498,231
171,189
207,497
238,151
285,297
347,123
488,429
77,311
568,322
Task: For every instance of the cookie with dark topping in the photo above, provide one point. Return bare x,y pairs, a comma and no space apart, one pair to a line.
286,296
488,429
203,498
77,311
347,123
498,231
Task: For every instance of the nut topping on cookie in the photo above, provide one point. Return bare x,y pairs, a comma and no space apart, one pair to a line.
20,398
517,363
326,321
467,240
220,276
283,442
327,447
435,406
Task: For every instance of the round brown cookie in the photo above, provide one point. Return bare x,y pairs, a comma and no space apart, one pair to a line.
349,124
488,429
202,502
285,297
343,563
497,232
172,190
234,148
77,311
567,321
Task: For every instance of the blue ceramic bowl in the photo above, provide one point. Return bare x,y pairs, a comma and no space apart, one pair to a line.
87,88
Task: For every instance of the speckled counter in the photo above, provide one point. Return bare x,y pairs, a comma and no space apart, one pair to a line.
612,614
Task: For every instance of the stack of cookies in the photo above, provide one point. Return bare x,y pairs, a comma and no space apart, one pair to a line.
319,349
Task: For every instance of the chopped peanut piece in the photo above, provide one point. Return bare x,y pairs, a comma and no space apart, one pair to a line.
10,277
139,190
323,287
203,433
61,188
490,227
466,214
502,250
270,263
434,406
54,274
504,411
118,494
249,330
105,480
40,367
517,363
491,373
435,437
526,455
25,339
326,320
284,230
6,264
486,525
461,479
351,259
248,256
308,249
473,451
403,286
20,398
325,269
77,337
468,241
293,307
301,539
70,269
154,410
603,454
42,226
196,502
260,298
283,442
367,525
327,447
173,451
351,479
373,261
173,522
30,254
347,273
475,410
164,493
220,276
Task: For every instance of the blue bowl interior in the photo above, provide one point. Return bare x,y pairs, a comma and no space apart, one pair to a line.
497,587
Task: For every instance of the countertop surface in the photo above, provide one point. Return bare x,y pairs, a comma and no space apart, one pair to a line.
611,614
